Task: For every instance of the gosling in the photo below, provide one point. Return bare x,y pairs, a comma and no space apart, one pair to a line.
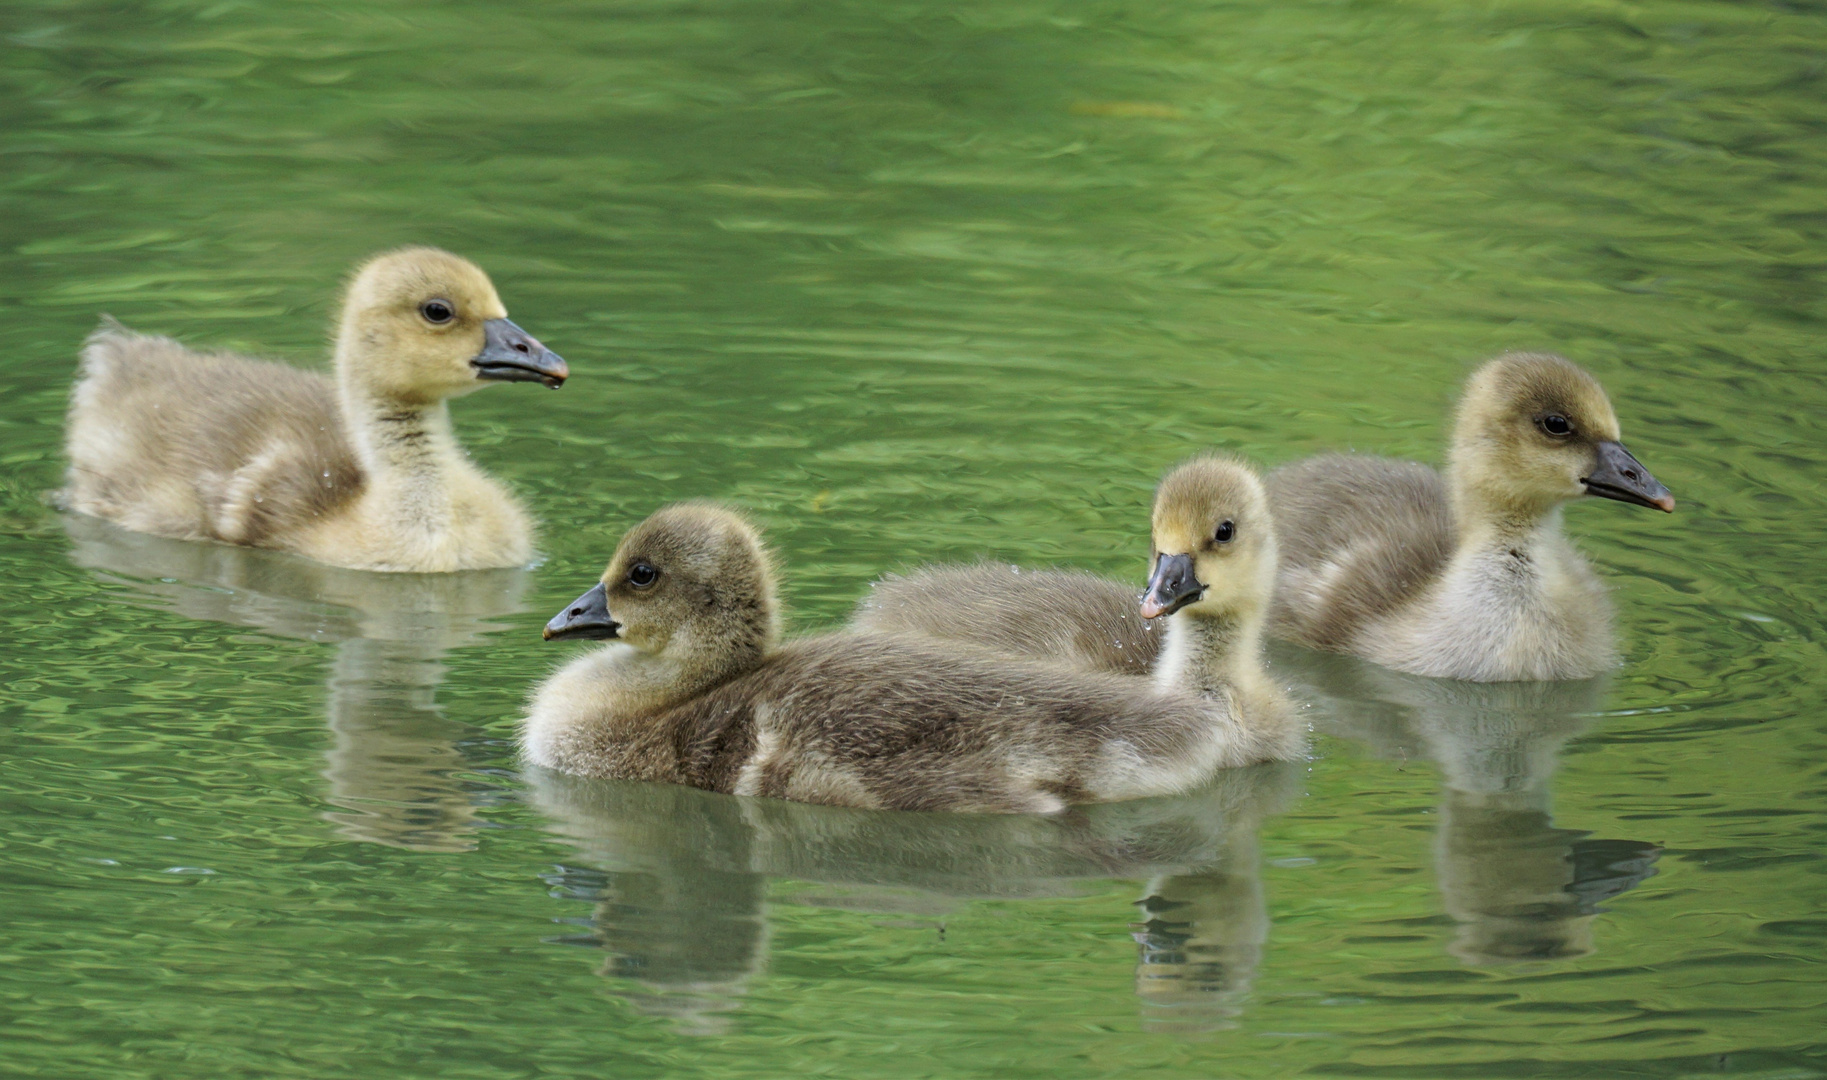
1215,556
1465,576
695,688
363,472
1199,624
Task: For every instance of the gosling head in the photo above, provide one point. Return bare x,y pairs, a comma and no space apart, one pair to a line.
1535,430
1213,540
692,583
420,325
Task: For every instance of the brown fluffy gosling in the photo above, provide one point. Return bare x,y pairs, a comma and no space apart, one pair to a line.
1199,624
363,471
696,689
1465,576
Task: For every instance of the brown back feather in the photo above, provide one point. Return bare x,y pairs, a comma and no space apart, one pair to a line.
192,419
921,727
1087,622
1387,525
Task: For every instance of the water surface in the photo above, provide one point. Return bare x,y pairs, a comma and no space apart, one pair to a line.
914,282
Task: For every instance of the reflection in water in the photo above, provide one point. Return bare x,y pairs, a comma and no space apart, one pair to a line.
679,878
393,764
1519,888
678,912
1201,938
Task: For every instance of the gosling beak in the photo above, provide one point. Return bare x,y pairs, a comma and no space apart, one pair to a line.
586,618
510,354
1622,477
1171,587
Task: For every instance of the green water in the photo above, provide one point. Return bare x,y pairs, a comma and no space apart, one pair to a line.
916,281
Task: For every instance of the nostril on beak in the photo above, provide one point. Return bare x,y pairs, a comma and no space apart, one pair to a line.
576,611
1630,474
521,347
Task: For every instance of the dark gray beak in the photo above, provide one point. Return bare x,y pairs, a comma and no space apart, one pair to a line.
1622,477
585,618
510,354
1171,587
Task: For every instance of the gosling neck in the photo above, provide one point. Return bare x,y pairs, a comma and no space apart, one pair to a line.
1488,520
1212,654
406,447
394,433
697,659
1488,526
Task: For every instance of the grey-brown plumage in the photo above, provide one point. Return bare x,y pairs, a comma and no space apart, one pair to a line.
363,471
697,691
1395,513
1466,575
1061,616
182,426
875,721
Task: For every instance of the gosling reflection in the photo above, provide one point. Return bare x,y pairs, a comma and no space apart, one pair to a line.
678,914
679,878
1518,887
394,765
1201,938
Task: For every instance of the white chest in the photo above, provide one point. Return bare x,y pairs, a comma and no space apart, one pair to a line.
1499,614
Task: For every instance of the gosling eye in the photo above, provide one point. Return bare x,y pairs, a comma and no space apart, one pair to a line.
641,575
1225,533
437,311
1555,424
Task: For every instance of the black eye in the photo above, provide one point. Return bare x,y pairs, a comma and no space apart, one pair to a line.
437,311
1225,533
1556,424
640,575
